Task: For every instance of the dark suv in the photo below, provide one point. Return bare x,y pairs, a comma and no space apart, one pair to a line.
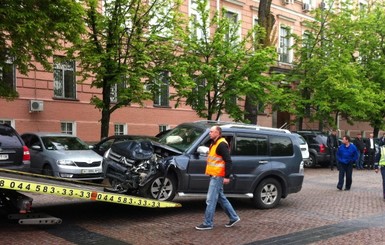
13,152
267,163
319,152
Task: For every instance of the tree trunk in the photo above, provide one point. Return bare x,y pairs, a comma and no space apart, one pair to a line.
266,20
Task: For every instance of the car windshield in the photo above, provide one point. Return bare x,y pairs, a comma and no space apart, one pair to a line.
181,137
63,143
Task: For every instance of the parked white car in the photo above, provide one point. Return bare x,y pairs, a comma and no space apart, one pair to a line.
63,155
304,149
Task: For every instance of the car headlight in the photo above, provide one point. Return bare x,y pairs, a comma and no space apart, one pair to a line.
66,162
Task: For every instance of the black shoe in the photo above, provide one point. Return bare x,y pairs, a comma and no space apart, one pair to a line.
346,189
203,227
232,223
339,188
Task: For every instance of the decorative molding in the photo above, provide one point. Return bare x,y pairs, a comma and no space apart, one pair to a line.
286,18
236,2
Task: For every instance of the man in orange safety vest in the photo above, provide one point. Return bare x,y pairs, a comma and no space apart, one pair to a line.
218,167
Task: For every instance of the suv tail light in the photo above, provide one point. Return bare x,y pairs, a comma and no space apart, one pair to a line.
322,148
26,155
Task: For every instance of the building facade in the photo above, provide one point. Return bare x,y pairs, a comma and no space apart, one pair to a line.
55,102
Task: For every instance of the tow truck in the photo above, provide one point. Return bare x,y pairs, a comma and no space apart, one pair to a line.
19,206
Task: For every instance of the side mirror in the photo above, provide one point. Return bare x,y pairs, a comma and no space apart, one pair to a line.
36,147
203,150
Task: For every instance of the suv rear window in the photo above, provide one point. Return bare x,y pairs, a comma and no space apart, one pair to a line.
281,146
9,137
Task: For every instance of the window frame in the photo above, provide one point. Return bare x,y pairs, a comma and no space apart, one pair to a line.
61,64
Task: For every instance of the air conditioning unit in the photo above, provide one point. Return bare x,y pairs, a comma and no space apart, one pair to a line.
36,105
306,7
288,1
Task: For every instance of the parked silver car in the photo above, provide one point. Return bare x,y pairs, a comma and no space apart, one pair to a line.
63,155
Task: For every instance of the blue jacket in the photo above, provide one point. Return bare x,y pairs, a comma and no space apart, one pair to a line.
346,155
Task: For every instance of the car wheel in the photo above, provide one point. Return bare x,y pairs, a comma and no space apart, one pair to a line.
267,194
312,162
47,170
161,188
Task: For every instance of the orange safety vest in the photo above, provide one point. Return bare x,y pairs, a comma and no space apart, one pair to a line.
215,164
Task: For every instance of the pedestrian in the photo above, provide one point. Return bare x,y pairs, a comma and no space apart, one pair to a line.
370,150
360,145
218,167
347,154
332,144
380,166
382,140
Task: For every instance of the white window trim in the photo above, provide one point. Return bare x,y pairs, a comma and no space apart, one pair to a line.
290,53
73,126
12,121
239,14
125,128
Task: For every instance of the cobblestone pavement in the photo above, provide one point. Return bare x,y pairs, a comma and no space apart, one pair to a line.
318,214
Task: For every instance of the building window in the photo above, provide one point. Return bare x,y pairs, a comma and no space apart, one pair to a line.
120,129
234,30
7,121
284,45
163,127
116,89
161,91
8,75
64,78
196,20
68,128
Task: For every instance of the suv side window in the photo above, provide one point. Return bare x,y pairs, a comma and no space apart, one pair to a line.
250,146
281,146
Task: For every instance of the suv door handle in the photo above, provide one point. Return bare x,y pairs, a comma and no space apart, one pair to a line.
263,161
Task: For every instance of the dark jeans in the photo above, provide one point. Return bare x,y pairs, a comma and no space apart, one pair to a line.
345,169
371,153
333,154
383,179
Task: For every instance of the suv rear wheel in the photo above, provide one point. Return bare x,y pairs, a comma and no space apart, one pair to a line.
267,194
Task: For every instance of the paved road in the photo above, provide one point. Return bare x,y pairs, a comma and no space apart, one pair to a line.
319,214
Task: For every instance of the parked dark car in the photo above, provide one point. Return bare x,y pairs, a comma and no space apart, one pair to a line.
319,152
102,146
267,163
14,154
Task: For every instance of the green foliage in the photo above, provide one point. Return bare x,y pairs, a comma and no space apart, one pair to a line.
32,30
216,68
332,78
127,43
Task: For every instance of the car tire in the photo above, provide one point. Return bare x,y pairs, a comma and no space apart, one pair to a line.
312,162
168,192
47,170
267,194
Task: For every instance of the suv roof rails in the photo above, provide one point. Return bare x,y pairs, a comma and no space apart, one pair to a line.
256,127
225,124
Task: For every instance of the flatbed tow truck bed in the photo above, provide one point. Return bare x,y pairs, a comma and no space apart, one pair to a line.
14,182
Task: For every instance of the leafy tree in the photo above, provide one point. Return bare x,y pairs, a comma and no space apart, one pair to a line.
371,56
216,68
127,43
32,30
331,81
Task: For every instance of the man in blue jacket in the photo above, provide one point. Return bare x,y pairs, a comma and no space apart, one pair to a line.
347,154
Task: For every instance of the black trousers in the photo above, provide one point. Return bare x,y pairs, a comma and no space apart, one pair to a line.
333,157
371,153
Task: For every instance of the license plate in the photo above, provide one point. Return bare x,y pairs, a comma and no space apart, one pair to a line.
90,171
3,156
